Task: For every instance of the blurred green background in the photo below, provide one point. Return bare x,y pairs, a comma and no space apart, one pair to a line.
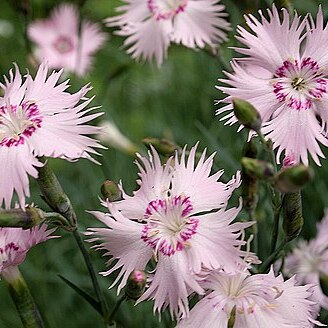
176,102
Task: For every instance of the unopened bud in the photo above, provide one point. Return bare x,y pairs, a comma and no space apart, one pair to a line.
163,146
247,114
110,190
292,215
257,168
27,219
136,284
293,179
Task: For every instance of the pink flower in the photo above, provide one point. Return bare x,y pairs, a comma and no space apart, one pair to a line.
16,242
61,45
151,25
39,118
179,216
309,260
257,301
284,75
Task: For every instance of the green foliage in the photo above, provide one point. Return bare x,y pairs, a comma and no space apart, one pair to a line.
175,102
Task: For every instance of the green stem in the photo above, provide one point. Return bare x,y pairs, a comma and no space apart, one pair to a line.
92,274
116,307
254,230
269,150
275,232
56,198
20,294
270,260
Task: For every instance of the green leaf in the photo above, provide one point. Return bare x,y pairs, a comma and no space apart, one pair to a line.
94,303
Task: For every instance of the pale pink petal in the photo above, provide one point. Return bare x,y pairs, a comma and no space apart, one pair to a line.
196,182
297,132
17,163
148,40
272,41
170,285
154,183
123,243
202,22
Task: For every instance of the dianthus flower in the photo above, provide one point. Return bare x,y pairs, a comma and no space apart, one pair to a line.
243,301
179,216
16,242
151,25
60,43
284,75
39,118
309,261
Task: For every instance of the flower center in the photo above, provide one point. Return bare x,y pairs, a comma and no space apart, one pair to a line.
299,84
166,9
18,123
63,44
169,226
8,254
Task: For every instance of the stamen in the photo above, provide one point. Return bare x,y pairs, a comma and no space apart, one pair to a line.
299,84
169,228
17,123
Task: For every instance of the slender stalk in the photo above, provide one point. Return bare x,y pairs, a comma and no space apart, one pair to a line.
20,294
56,198
268,149
254,230
270,260
116,307
276,197
92,274
275,231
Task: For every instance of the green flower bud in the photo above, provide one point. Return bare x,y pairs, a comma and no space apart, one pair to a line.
292,215
293,178
257,168
136,284
163,146
27,219
110,191
247,114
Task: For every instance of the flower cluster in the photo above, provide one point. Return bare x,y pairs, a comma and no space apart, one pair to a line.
40,118
284,75
61,43
151,25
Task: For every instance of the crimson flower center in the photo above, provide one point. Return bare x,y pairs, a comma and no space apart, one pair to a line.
8,253
63,44
169,226
166,9
17,123
299,84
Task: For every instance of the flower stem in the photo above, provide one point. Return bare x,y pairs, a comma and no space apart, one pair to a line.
56,198
116,307
270,260
20,294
